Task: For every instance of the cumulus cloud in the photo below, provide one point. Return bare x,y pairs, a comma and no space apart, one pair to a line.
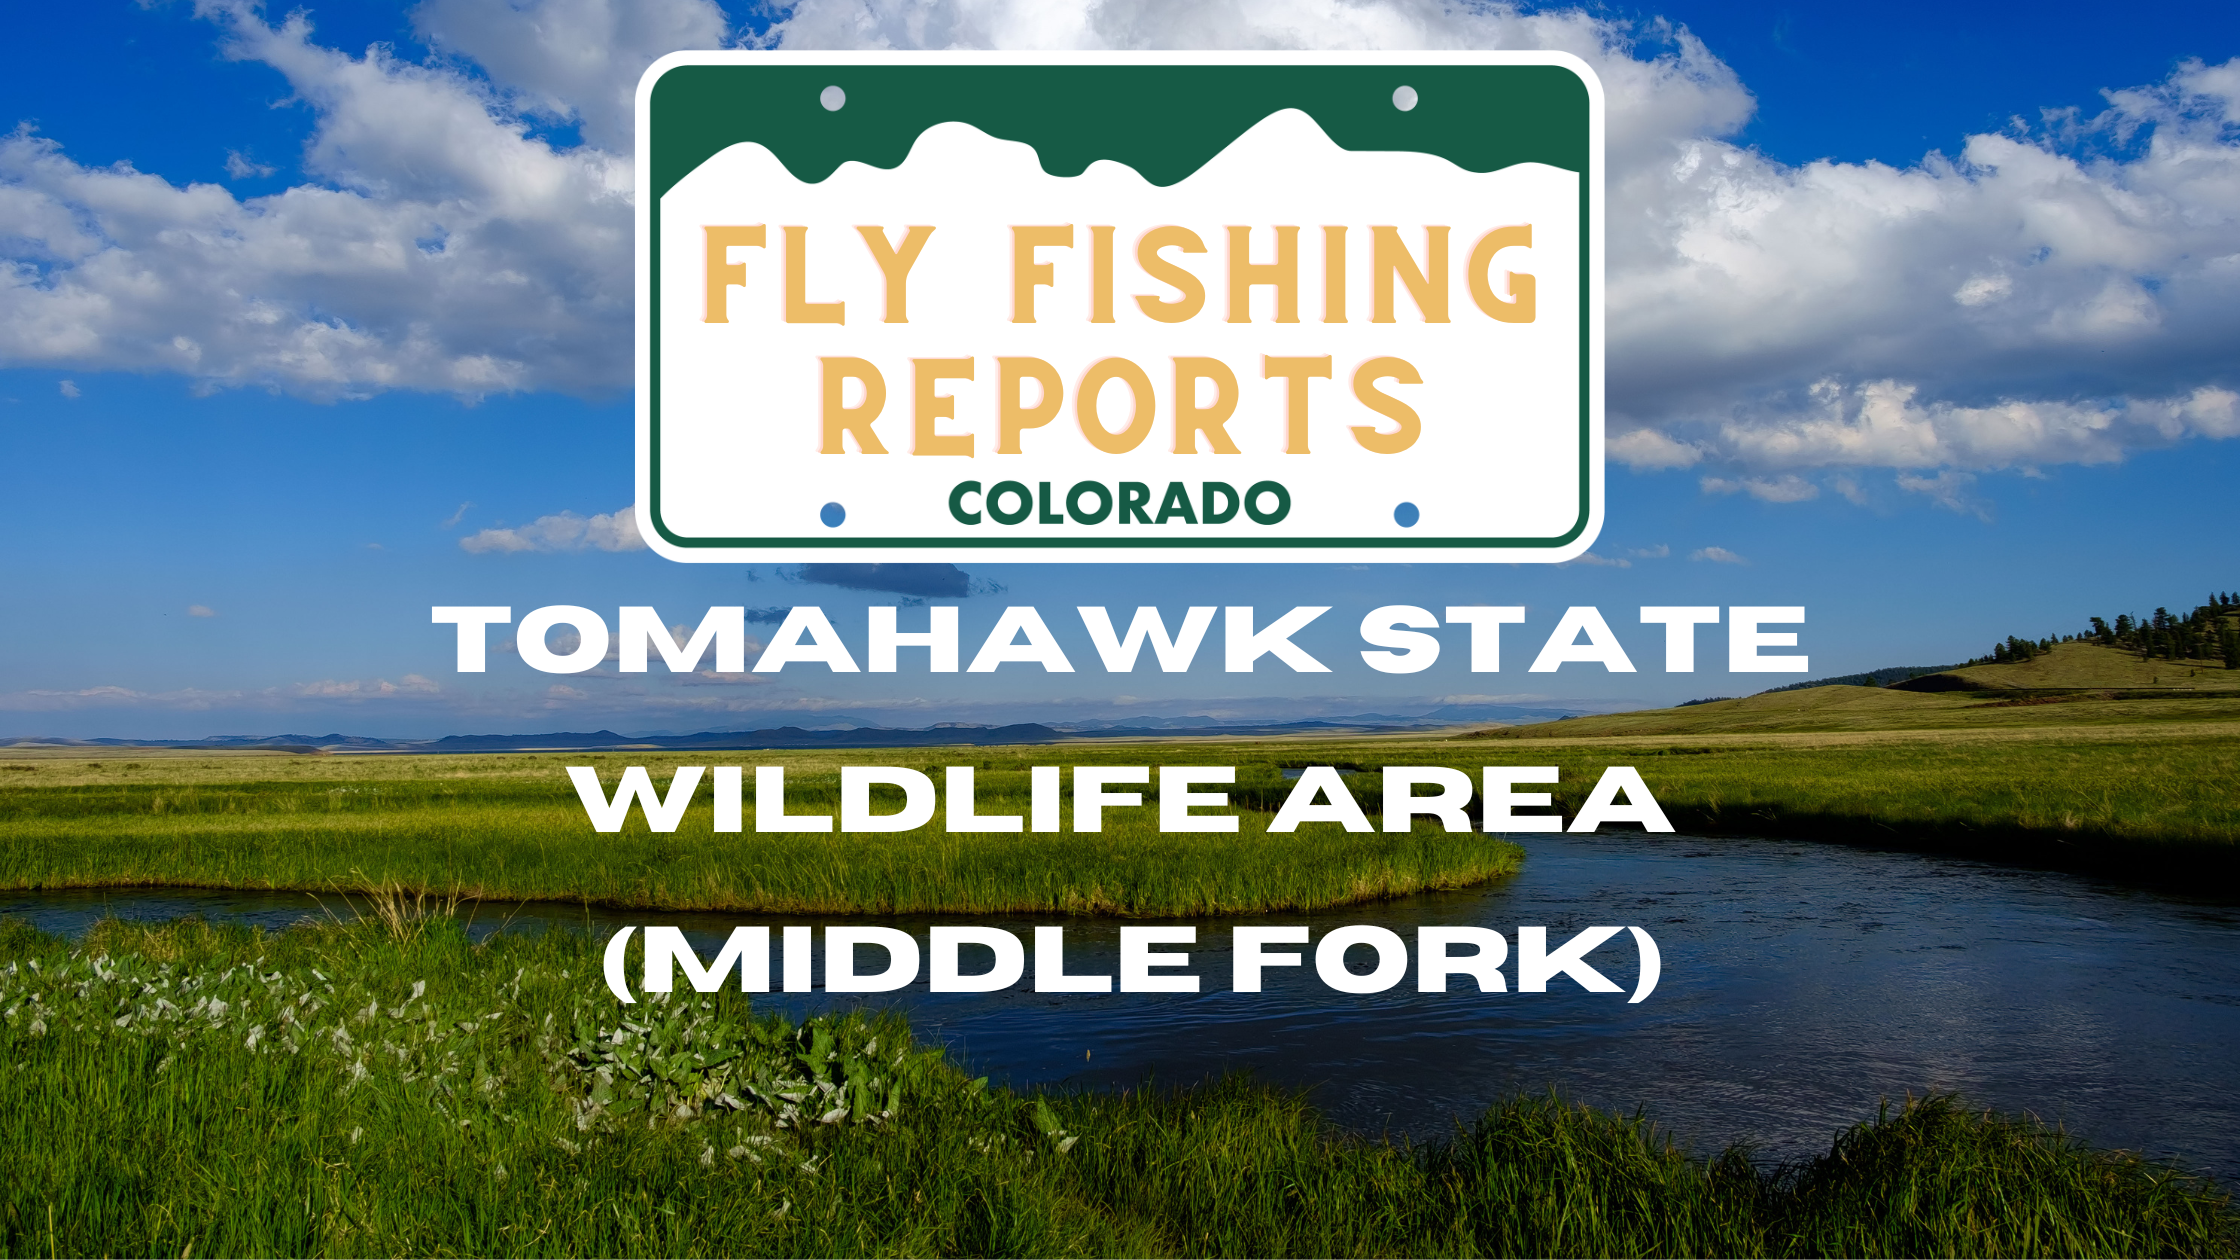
70,389
2061,292
200,610
571,61
562,531
439,246
1716,555
1614,562
2050,295
2044,296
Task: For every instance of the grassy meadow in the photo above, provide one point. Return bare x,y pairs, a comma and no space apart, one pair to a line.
2087,665
511,827
2106,780
2112,781
388,1088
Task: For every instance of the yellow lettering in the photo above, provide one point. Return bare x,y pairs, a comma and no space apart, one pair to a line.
722,272
1520,309
1193,293
839,418
1296,372
1409,425
1093,382
926,440
799,309
1427,284
895,263
1100,275
1190,419
1333,275
1026,273
1012,416
1283,274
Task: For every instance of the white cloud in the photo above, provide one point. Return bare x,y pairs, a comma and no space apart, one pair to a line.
1658,552
1608,561
2015,304
1717,555
1949,490
1977,310
200,610
240,167
367,689
571,60
1787,488
70,389
2062,294
441,247
1646,450
39,700
563,531
294,697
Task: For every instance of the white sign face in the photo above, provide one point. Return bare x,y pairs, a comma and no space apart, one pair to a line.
1348,310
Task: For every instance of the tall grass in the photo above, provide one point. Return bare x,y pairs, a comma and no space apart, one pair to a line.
512,828
2122,803
363,1089
2128,799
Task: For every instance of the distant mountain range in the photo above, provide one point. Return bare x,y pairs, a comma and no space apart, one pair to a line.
849,732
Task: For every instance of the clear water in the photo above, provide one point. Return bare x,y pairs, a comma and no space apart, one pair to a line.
1803,983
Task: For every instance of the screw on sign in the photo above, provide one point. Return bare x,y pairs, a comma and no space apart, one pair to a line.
1276,307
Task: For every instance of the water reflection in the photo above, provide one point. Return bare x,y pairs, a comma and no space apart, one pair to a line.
1802,983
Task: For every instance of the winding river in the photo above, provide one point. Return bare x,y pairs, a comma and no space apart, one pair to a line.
1802,984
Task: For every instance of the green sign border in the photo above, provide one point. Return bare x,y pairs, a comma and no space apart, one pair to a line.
1164,120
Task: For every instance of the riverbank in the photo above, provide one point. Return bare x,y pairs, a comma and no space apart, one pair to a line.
390,1088
2130,788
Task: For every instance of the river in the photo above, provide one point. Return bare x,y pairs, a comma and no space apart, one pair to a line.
1802,984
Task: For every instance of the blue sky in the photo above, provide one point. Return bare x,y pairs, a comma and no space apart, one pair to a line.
1934,399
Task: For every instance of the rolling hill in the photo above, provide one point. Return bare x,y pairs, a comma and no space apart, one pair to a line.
2069,684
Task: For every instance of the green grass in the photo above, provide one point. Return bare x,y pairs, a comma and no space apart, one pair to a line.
510,827
2117,786
1830,710
390,1089
2122,799
2081,664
